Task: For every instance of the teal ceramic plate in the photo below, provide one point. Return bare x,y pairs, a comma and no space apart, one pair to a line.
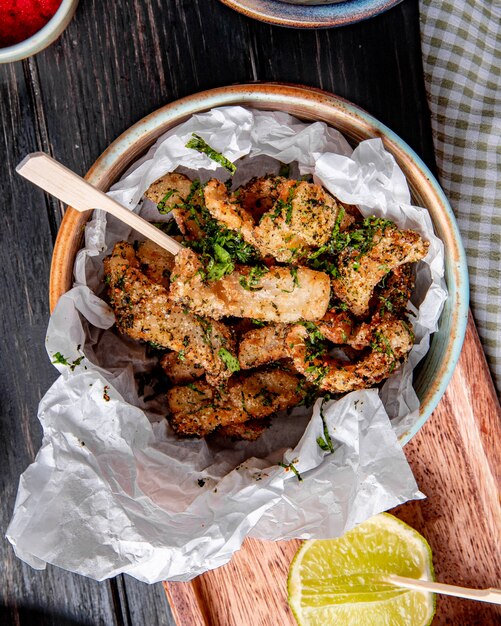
320,15
435,370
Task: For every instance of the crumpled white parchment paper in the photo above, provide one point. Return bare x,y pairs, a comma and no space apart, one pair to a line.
112,490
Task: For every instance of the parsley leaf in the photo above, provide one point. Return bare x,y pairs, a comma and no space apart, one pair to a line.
250,282
200,145
161,205
229,360
220,264
290,466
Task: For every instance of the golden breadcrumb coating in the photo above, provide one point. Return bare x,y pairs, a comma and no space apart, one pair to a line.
198,409
143,310
390,341
263,345
277,294
302,216
358,274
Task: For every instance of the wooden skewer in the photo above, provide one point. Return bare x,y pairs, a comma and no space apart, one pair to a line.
483,595
72,189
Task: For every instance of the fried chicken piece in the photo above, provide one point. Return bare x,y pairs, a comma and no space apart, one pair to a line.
143,310
276,294
173,191
199,409
302,217
336,326
247,431
391,340
360,273
263,345
180,371
176,186
395,294
259,195
156,262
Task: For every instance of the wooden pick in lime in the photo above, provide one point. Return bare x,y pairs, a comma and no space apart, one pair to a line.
341,581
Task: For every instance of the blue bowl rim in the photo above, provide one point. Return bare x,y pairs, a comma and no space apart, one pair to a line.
308,16
268,96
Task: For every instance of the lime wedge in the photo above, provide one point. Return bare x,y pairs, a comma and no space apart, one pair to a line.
340,581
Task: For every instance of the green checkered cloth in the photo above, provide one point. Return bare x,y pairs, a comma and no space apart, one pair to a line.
461,42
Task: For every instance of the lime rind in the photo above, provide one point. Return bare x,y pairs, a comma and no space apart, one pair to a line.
319,595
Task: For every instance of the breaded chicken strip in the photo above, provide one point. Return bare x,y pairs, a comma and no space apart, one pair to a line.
247,431
198,409
173,192
390,339
277,294
360,273
263,345
259,195
336,326
144,311
180,370
302,217
395,294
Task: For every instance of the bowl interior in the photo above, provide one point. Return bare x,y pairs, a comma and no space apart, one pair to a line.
435,371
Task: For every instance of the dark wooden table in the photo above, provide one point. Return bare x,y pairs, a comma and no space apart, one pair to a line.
117,62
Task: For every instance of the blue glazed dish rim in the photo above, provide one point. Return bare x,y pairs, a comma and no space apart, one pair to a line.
311,16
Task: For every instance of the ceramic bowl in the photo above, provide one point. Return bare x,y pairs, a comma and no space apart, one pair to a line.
311,13
42,38
434,372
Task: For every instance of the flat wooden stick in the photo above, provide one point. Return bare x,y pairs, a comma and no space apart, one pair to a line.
483,595
72,189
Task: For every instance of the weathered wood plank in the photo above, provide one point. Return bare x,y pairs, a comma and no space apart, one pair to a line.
27,596
96,82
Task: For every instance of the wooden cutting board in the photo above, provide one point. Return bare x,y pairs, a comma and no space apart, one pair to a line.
456,459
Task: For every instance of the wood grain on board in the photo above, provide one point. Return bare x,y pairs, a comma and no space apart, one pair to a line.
456,459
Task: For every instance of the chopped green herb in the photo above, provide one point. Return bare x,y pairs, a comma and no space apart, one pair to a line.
295,279
229,360
220,264
360,239
161,205
155,346
290,466
220,248
318,371
200,145
325,442
381,344
315,342
258,323
250,282
386,305
195,388
61,360
206,327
